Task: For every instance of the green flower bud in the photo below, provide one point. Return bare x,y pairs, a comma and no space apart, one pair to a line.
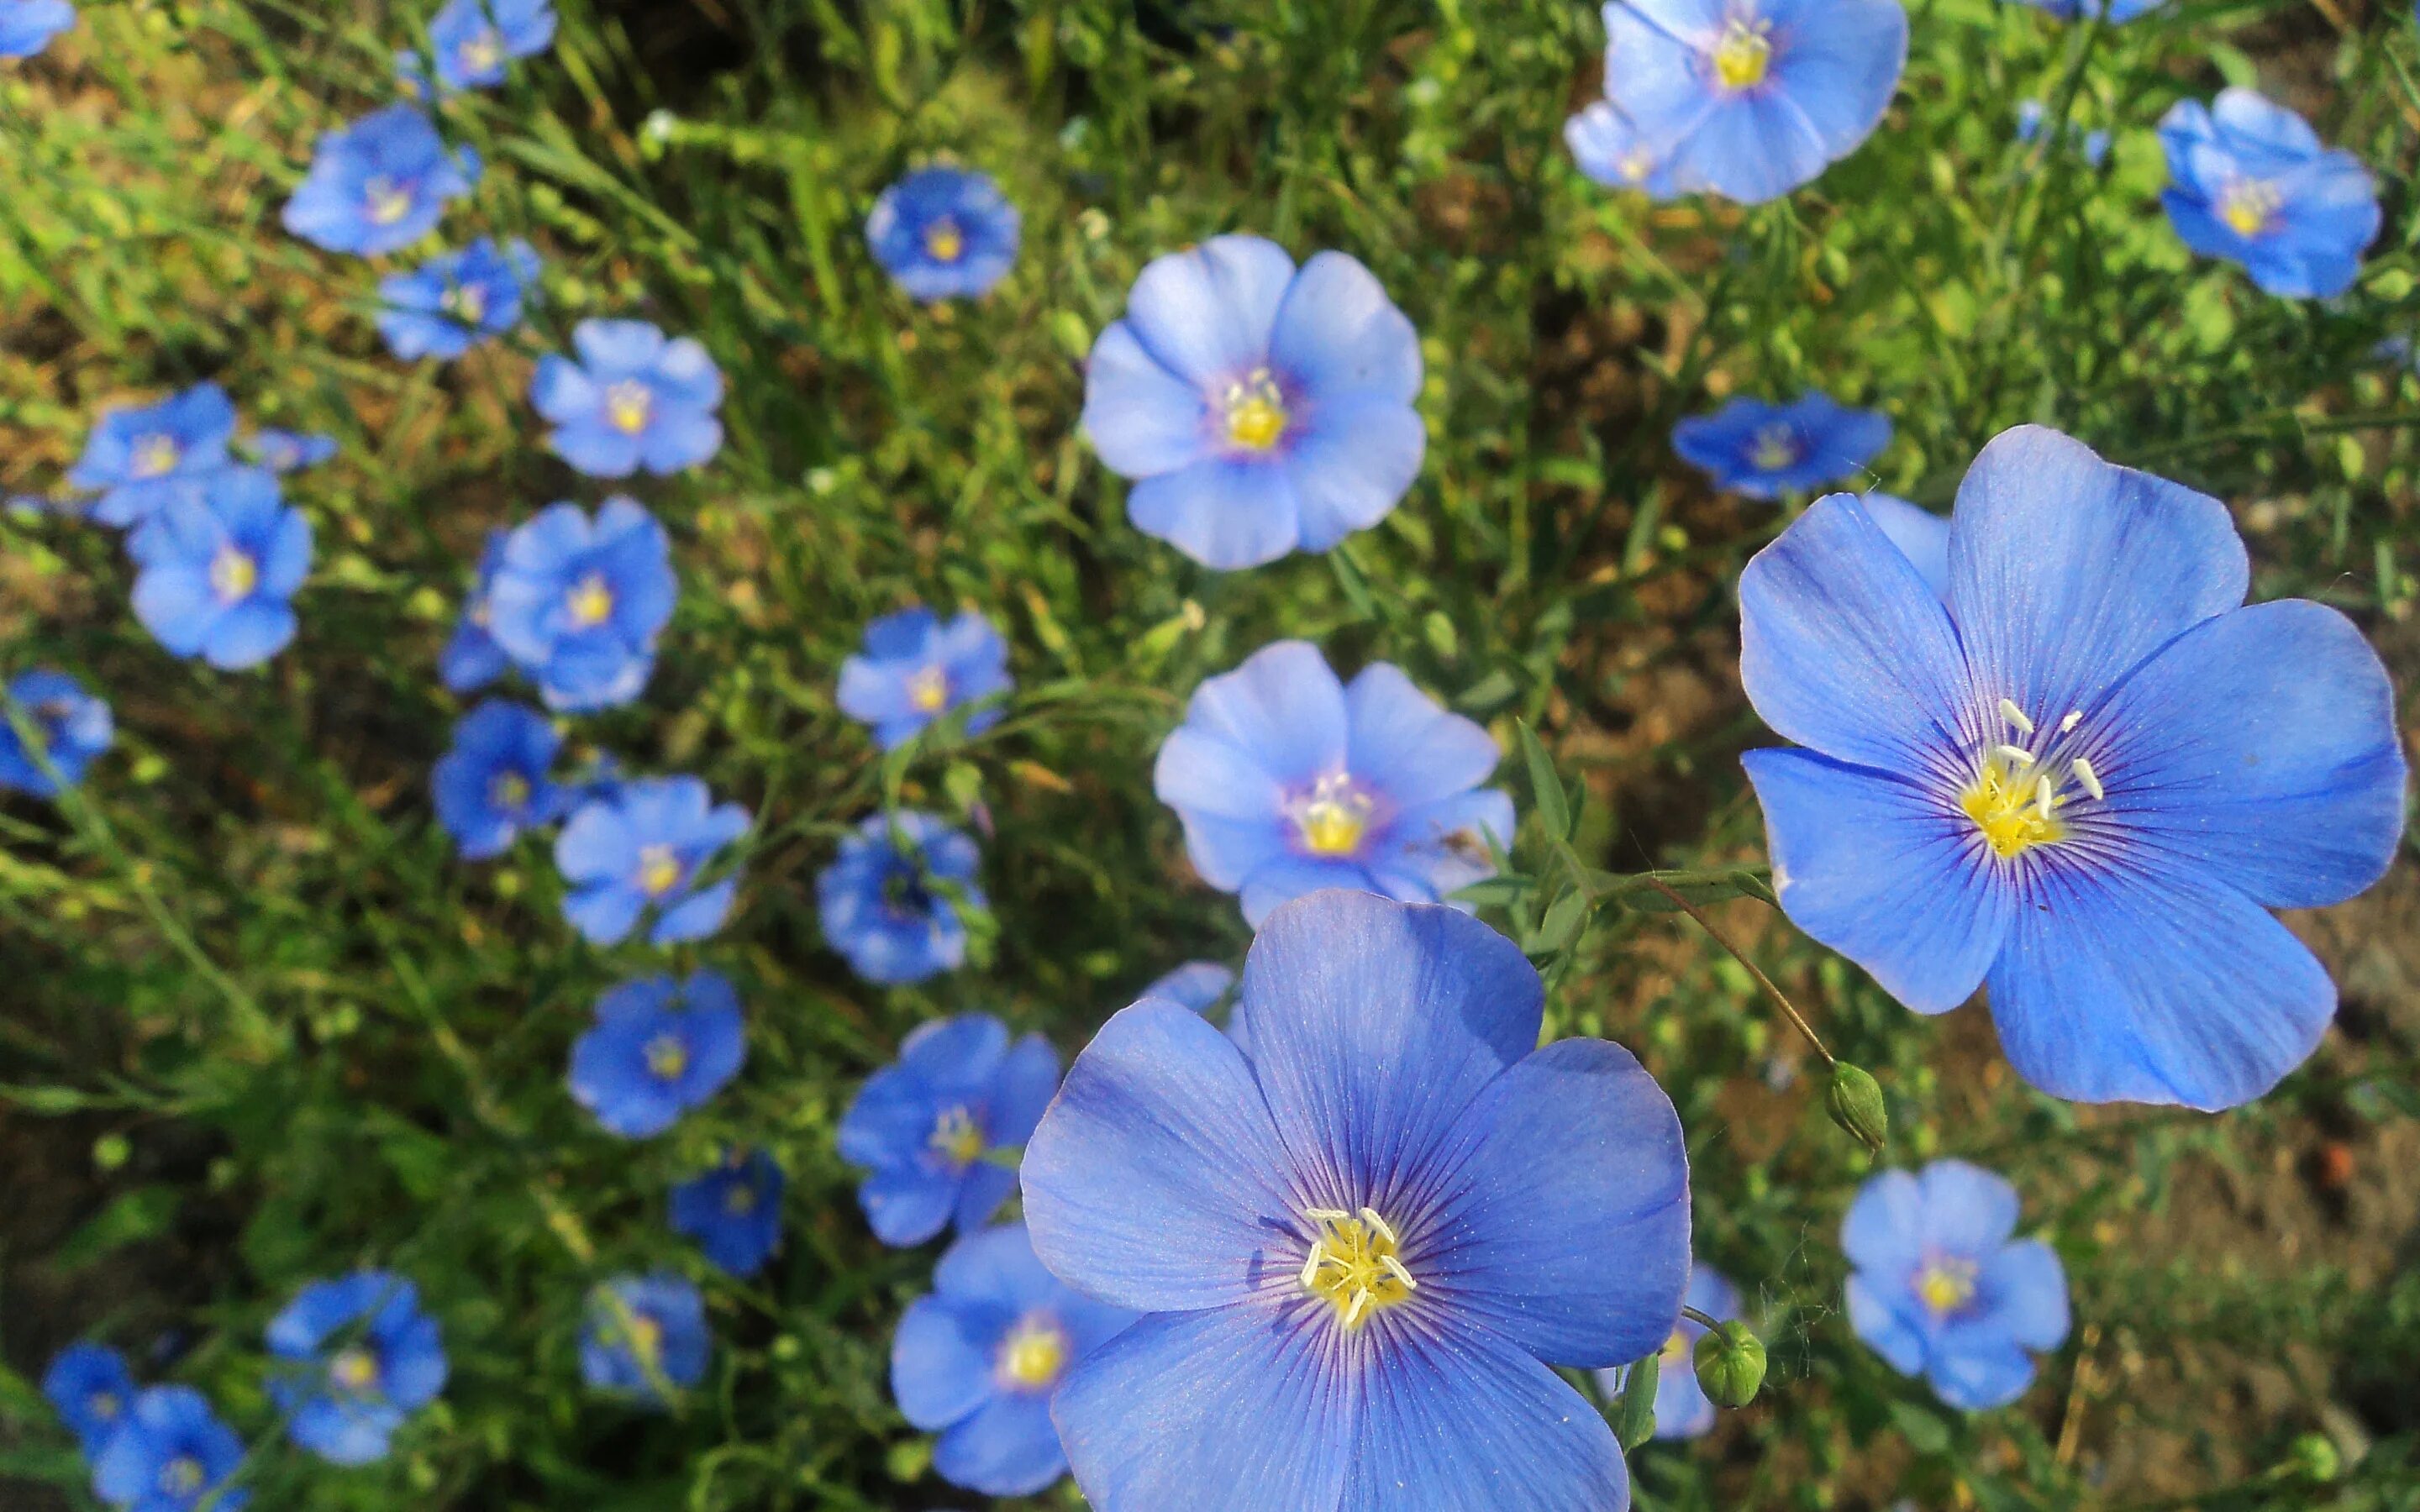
1730,1365
1855,1100
2314,1457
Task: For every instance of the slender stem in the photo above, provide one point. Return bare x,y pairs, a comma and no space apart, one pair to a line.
1711,1324
1780,999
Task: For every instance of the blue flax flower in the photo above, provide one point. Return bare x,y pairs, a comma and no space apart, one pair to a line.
2251,182
577,604
1683,1409
1612,150
217,574
171,1453
26,26
1940,1289
1259,409
977,1360
633,401
472,659
379,184
92,1389
891,901
659,1048
640,845
921,1128
1363,1236
287,451
644,1335
944,233
1767,450
1750,99
142,459
497,778
471,39
2083,777
1289,781
70,727
360,1357
915,668
1197,985
734,1211
456,300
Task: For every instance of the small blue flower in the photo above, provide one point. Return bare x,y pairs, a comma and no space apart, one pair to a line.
659,1048
944,233
1289,781
1615,153
359,1357
892,904
2251,182
1751,99
141,460
26,26
217,572
1362,1237
1939,1289
171,1453
2119,11
2029,129
1197,985
456,300
379,184
734,1211
496,782
923,1128
472,659
287,451
70,725
1765,450
640,846
1259,409
472,38
1683,1410
915,669
2083,777
92,1389
633,401
977,1360
645,1334
578,605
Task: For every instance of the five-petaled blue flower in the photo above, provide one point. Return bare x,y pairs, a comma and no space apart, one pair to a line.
2084,777
142,459
71,728
1363,1236
456,300
1940,1289
1289,781
471,39
359,1357
379,184
1683,1409
978,1359
472,659
1197,985
734,1211
217,572
633,401
287,451
923,1129
944,233
2251,182
891,901
1261,410
26,26
497,778
92,1389
171,1452
639,846
577,604
1610,148
1750,99
645,1334
1767,450
915,668
659,1048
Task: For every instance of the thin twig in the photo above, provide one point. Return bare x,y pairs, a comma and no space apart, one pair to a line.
1780,999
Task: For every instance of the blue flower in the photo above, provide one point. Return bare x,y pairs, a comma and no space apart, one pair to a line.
640,845
1261,410
1364,1236
496,780
142,460
361,1357
379,184
1197,985
578,605
2084,778
1939,1289
645,1334
977,1360
1750,99
170,1454
1289,781
944,233
659,1048
455,299
91,1386
1765,450
472,38
217,572
287,451
2251,182
472,659
1611,150
72,725
1921,536
2029,129
915,669
923,1128
26,26
2120,10
1683,1410
632,400
734,1211
890,905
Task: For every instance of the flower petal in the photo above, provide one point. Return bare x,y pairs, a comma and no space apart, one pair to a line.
1283,707
1337,332
1206,312
940,1363
1224,514
1141,418
1008,1447
1353,467
1406,746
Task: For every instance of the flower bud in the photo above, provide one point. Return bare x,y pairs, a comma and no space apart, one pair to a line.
1730,1365
1855,1100
2314,1457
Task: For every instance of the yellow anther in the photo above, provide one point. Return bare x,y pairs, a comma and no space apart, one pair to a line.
1355,1265
2074,717
627,405
928,690
2090,778
739,1200
2013,815
944,242
181,1477
1945,1284
2248,205
590,602
388,202
1256,412
1776,447
233,574
667,1057
155,456
660,869
1034,1354
355,1370
103,1405
2015,716
465,302
481,52
510,790
1745,55
956,1137
1333,818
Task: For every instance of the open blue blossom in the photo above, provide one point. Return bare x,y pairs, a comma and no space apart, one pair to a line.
139,460
577,604
944,233
472,659
2251,182
471,39
287,451
2029,129
217,572
922,1128
734,1211
915,669
633,401
1614,152
645,1335
496,781
358,1357
1683,1409
1940,1289
93,1390
2119,11
1765,451
891,901
977,1360
1289,780
26,26
171,1453
456,300
640,846
1750,99
1197,985
2084,778
379,184
1259,409
71,728
659,1048
1362,1237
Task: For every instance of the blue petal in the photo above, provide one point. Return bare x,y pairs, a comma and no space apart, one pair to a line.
1337,333
1006,1448
1883,1231
1921,536
1886,1332
1224,514
1354,463
906,1205
1283,708
1406,746
1751,147
1991,1374
2028,1290
1840,64
1206,312
940,1363
248,635
1231,852
1141,418
1280,881
1967,1210
1028,1080
1205,775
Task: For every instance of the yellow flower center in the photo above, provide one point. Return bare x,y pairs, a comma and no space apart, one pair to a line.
465,302
2248,207
1636,167
2018,793
590,602
645,1337
1776,447
944,242
103,1405
510,790
1354,1264
181,1476
1034,1354
929,691
1745,55
482,52
739,1200
388,202
667,1058
355,1370
155,456
956,1138
233,574
1256,414
1333,819
1946,1286
627,405
658,869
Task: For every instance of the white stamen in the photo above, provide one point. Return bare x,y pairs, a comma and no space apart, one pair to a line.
1325,1215
2074,717
2015,716
1378,1226
2016,755
1395,1268
2043,799
2090,778
1353,1313
1310,1266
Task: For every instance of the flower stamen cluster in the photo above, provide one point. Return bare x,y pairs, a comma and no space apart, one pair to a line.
1354,1264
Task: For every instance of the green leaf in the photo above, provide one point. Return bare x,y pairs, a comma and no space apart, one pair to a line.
137,1215
1633,1420
1561,926
1545,788
1924,1432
